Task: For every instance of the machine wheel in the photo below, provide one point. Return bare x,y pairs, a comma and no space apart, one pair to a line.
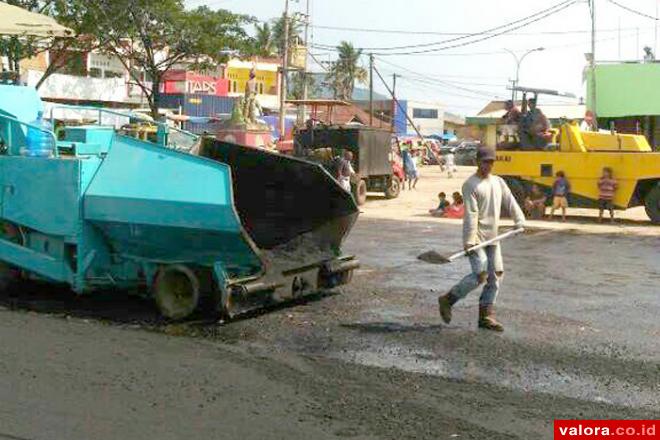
517,189
361,192
176,291
652,204
394,189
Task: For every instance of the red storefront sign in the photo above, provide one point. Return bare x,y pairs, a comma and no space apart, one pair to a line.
182,82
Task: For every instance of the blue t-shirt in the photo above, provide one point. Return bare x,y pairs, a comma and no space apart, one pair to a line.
561,187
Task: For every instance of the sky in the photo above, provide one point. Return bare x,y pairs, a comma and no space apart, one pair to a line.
466,78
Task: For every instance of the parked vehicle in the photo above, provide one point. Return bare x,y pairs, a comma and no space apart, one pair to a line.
466,153
371,148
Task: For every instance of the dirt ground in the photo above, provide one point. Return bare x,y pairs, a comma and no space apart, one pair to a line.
369,361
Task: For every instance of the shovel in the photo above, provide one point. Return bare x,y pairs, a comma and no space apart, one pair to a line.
433,257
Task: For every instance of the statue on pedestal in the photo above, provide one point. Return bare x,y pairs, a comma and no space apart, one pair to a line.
251,107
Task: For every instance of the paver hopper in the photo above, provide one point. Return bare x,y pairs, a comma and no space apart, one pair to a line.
242,226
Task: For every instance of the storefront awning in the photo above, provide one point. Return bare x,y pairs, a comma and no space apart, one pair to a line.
20,22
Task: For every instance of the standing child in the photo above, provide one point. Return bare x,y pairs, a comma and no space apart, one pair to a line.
607,186
450,164
560,190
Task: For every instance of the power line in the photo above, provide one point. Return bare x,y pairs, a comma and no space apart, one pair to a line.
317,61
641,14
435,76
635,31
487,37
452,34
489,33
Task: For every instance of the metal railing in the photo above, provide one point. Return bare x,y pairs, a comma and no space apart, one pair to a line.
130,115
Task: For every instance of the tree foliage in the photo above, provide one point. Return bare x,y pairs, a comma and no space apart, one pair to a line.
150,37
268,40
346,70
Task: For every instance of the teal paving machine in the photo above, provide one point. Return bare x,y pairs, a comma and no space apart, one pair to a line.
96,209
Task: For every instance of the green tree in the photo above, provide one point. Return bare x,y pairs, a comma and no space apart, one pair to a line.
71,13
151,37
295,30
346,70
263,41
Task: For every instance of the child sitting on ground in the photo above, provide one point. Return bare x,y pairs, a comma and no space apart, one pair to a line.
535,203
442,205
457,208
607,186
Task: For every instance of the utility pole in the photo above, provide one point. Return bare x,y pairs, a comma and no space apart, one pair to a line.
303,74
371,89
657,17
393,122
285,63
593,61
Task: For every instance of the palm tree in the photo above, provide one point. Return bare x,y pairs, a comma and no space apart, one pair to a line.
263,40
295,29
346,71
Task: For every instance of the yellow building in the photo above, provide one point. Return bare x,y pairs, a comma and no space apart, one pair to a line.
238,73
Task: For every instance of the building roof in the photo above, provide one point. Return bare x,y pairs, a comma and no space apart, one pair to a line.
453,118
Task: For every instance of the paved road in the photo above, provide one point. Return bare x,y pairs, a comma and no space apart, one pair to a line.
370,363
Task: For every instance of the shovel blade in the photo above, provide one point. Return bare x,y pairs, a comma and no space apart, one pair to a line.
432,257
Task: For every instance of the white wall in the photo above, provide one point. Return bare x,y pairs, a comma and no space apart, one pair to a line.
426,126
60,86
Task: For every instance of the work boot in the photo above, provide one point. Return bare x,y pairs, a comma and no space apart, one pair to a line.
487,319
445,302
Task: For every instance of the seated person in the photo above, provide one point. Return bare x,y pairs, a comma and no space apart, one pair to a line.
535,203
457,208
442,205
535,131
510,122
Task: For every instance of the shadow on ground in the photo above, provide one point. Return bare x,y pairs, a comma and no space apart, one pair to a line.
118,306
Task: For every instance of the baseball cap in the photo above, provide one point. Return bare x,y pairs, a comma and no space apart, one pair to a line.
485,153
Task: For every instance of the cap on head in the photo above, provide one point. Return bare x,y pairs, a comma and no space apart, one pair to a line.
485,153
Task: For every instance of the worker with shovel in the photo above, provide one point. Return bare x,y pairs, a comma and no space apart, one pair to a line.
485,195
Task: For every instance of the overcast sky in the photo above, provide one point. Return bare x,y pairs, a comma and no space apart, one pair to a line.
466,78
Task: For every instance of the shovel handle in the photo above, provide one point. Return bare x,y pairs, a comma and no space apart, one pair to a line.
486,243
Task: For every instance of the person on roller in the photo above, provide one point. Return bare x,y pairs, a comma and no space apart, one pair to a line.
485,197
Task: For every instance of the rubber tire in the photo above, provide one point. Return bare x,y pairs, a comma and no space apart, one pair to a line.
361,193
394,189
188,299
652,204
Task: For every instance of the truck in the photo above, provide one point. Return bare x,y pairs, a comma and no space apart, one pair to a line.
108,211
582,155
372,150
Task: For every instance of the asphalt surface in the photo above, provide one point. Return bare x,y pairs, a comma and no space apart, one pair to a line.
370,361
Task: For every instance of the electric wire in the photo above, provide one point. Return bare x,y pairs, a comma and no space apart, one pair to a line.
634,11
484,35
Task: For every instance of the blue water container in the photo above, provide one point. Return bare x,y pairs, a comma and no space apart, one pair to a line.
39,143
